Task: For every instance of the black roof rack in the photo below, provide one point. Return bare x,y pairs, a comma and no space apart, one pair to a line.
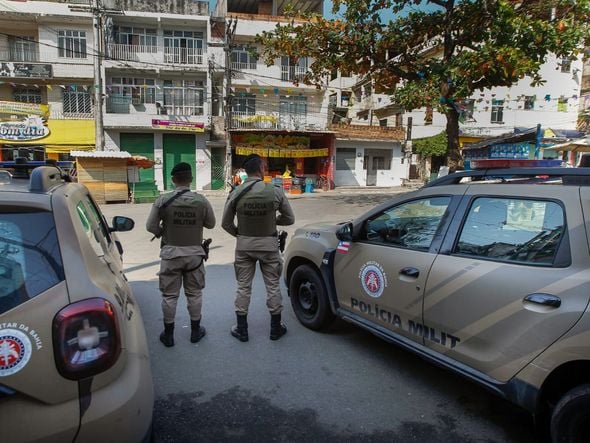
569,176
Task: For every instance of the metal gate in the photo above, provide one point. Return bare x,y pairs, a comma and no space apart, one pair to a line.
217,168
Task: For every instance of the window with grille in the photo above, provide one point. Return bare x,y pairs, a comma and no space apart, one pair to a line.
71,44
140,90
497,111
76,100
27,95
184,97
242,59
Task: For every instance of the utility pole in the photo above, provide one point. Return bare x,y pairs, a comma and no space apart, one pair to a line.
230,30
97,34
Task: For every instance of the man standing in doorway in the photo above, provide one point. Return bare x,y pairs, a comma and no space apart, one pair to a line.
178,218
256,204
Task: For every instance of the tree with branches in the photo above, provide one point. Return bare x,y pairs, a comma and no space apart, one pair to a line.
433,56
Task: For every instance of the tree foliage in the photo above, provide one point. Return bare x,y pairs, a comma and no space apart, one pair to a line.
435,145
434,56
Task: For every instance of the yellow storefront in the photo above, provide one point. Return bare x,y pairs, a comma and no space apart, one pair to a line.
27,126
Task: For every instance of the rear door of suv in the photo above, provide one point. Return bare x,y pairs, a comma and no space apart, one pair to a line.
36,402
511,277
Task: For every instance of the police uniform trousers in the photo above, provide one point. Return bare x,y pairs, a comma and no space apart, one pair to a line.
188,272
271,266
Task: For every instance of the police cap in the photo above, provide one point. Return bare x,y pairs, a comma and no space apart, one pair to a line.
181,168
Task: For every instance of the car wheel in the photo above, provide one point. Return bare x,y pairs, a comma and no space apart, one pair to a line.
570,420
309,298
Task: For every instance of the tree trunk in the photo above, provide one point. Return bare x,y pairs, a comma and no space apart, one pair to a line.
454,158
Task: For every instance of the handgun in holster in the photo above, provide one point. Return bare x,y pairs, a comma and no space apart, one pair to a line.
282,240
205,246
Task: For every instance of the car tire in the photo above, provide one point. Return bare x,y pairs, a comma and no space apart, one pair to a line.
570,420
309,298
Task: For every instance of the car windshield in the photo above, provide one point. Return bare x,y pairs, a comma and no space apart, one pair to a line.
30,259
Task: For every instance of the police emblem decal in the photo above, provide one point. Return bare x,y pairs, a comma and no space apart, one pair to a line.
373,279
15,351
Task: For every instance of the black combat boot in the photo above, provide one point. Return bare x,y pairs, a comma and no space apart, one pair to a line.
197,331
240,331
277,328
167,335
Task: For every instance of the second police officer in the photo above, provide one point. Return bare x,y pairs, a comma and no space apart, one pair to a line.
255,204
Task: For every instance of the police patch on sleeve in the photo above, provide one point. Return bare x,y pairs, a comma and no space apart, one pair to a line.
15,351
373,279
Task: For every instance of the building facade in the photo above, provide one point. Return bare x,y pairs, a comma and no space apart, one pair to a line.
286,124
46,80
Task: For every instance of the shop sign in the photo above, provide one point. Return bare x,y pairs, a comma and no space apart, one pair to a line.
178,126
282,153
25,70
269,141
17,108
31,128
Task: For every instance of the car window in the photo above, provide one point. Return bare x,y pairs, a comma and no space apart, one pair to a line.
30,259
91,222
515,230
411,224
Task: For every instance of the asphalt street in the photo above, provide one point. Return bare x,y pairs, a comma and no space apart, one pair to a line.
342,385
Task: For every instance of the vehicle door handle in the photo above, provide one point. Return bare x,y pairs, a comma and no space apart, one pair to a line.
544,299
410,272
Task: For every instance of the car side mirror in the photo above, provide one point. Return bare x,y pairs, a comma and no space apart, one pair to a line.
122,224
345,232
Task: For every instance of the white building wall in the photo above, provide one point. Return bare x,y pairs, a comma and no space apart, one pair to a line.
385,177
545,112
159,159
203,163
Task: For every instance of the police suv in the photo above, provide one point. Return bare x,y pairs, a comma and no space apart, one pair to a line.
484,272
74,361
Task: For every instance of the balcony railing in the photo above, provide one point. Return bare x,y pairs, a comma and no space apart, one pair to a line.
58,114
243,66
183,56
156,54
118,104
274,115
292,73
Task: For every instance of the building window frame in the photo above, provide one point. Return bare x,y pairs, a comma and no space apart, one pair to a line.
76,100
147,38
497,115
27,95
141,90
184,97
241,58
71,43
529,103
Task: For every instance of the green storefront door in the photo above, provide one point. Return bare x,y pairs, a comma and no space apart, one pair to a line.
217,168
178,148
140,144
146,190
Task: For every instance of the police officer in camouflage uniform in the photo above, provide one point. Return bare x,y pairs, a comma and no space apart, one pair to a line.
256,204
178,218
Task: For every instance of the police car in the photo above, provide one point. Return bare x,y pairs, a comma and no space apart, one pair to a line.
74,361
484,272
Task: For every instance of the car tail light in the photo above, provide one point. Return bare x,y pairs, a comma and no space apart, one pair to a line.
86,338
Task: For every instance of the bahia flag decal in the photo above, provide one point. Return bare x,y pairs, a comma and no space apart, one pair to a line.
343,246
